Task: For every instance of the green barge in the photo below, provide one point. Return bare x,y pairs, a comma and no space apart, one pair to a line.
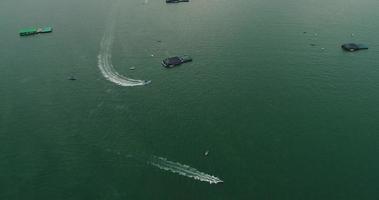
34,31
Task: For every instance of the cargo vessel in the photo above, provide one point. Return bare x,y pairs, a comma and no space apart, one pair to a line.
34,31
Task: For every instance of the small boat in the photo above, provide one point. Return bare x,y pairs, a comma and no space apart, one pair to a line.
206,153
132,68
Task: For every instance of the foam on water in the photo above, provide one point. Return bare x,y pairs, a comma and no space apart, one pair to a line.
105,57
184,170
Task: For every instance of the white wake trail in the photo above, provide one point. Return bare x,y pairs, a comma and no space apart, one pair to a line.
105,56
184,170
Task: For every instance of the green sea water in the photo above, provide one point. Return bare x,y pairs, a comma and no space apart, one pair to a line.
282,110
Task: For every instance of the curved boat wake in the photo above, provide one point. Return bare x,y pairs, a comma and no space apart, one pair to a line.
184,170
105,57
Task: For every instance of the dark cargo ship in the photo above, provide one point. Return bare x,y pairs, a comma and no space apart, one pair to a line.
176,60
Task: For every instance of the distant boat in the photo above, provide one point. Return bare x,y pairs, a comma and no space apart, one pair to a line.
72,78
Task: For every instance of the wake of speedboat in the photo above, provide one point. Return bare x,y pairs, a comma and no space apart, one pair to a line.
105,57
184,170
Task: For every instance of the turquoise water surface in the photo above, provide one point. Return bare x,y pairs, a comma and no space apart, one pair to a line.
283,112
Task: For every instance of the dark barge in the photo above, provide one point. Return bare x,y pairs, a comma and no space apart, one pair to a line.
175,61
176,1
353,47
